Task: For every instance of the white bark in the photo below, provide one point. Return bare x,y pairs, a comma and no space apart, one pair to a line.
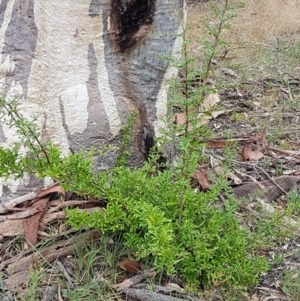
67,62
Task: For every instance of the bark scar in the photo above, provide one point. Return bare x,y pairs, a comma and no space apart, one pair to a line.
131,21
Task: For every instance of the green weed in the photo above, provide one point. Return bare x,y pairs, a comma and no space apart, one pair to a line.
33,286
91,262
293,203
291,284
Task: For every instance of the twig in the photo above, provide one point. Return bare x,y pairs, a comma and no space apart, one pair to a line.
255,166
66,274
8,206
269,177
59,293
250,177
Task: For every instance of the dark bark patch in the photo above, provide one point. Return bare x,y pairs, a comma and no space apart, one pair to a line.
3,6
20,43
94,9
98,124
2,136
131,22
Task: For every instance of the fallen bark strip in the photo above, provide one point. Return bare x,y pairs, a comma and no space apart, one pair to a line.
9,206
272,180
16,280
168,289
70,204
46,255
11,227
250,177
15,226
294,154
157,288
260,184
135,279
273,188
146,295
30,251
18,268
271,191
20,215
51,253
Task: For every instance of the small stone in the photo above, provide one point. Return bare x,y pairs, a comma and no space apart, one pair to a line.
229,72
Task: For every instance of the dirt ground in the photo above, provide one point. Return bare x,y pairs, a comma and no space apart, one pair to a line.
259,75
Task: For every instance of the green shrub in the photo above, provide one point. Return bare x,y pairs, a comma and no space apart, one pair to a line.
207,246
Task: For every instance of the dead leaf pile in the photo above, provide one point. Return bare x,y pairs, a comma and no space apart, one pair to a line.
18,267
31,215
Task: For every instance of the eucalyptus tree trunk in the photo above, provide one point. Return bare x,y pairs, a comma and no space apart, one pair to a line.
83,66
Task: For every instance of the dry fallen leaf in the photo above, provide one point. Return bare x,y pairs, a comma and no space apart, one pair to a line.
31,224
179,119
203,118
201,176
210,101
50,190
129,266
217,144
251,155
281,204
